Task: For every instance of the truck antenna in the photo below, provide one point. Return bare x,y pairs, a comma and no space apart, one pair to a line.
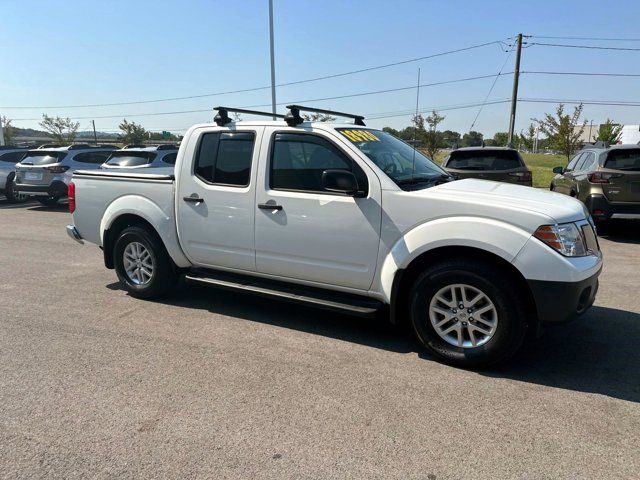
415,129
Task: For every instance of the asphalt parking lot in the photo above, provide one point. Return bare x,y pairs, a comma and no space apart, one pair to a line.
208,384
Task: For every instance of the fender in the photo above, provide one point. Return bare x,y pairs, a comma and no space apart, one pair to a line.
497,237
152,213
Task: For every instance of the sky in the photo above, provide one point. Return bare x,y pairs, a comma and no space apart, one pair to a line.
59,54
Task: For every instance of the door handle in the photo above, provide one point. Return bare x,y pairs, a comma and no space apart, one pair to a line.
193,199
269,206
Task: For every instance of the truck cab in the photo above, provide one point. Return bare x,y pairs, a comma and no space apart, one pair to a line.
347,218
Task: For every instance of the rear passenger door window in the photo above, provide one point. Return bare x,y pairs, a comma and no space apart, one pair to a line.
298,161
170,158
224,158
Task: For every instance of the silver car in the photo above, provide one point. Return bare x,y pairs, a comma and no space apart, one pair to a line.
9,156
139,156
46,173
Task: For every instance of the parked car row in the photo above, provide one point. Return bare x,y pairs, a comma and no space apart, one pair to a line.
45,172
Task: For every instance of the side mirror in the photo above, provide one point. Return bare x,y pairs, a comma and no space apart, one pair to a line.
340,181
559,170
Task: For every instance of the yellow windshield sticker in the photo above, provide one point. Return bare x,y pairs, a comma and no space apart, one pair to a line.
360,135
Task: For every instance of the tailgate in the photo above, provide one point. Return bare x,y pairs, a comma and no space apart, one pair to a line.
624,183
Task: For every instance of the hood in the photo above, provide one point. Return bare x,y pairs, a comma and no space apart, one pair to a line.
526,207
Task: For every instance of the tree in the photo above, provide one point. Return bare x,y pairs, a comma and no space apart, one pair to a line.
501,139
528,136
608,132
391,131
62,130
563,130
472,139
8,129
132,133
318,117
427,132
450,138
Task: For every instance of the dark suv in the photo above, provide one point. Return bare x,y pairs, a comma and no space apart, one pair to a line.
606,179
499,164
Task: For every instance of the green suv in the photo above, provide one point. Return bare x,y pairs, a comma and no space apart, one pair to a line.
606,179
499,164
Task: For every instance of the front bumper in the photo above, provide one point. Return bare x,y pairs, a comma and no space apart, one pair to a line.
563,301
72,231
56,188
602,209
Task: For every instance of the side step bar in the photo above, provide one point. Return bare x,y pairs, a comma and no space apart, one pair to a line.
325,299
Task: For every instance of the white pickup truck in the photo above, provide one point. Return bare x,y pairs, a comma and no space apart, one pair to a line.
351,219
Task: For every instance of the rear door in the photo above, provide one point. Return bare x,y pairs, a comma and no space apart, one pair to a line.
565,184
215,201
624,183
304,232
35,167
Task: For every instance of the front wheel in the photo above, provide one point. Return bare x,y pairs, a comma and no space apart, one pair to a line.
142,264
48,201
467,313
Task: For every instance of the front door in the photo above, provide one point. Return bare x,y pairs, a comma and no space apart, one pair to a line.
216,197
304,232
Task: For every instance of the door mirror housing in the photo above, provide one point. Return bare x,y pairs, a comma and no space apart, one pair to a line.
340,181
559,170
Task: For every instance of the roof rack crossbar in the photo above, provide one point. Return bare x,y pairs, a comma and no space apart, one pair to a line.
293,118
222,118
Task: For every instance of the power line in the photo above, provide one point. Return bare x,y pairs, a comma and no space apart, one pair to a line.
246,90
604,39
589,47
437,108
338,97
495,80
588,74
619,103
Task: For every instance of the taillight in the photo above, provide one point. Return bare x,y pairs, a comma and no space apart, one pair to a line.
71,193
602,177
522,177
57,169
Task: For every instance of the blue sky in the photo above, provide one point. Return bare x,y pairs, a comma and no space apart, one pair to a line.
58,53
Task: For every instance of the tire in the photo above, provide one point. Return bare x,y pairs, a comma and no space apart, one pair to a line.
48,201
156,273
10,192
496,343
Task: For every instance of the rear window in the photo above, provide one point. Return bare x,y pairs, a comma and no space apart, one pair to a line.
11,157
130,159
484,160
43,158
623,160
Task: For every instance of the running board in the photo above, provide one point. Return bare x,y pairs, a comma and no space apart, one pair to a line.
324,299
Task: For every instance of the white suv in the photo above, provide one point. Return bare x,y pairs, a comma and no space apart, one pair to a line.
9,156
46,173
140,156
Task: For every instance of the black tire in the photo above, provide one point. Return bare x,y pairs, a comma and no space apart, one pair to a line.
11,193
164,274
497,286
48,201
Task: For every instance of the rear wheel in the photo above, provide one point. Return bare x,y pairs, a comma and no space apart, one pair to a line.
467,313
142,264
48,201
11,192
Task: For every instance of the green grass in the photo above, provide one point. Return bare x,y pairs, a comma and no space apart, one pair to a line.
541,166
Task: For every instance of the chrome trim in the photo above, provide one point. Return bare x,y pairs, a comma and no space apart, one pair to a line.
72,231
626,216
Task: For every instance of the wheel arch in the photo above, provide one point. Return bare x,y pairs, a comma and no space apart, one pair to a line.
405,277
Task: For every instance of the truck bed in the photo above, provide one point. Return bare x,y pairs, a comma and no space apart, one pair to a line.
125,188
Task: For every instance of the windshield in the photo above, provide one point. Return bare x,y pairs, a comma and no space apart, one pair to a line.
623,160
130,159
42,158
484,160
394,157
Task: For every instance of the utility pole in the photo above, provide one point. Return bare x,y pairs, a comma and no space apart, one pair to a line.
95,136
273,61
514,95
1,132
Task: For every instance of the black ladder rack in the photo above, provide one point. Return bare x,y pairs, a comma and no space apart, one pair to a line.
293,118
222,117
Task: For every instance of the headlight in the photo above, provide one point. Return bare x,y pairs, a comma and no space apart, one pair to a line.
566,238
